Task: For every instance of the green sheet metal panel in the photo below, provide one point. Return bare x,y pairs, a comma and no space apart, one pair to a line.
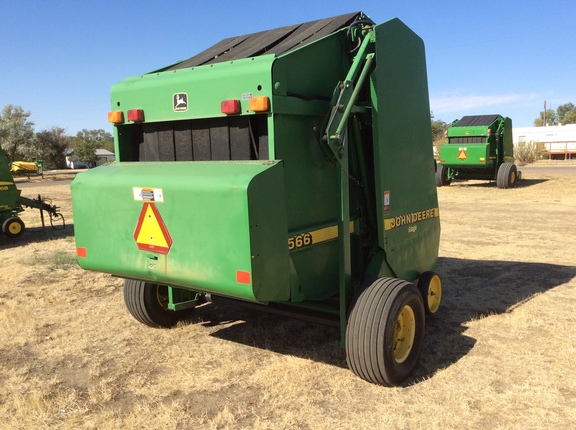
478,143
9,193
468,132
312,71
310,202
465,154
407,204
508,142
223,223
204,87
304,80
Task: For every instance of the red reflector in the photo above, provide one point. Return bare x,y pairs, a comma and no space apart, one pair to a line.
242,277
81,252
136,115
230,107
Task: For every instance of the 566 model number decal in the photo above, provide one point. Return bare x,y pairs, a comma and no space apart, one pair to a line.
299,241
313,237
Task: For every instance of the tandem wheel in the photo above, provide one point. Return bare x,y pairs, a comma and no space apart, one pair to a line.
385,332
430,288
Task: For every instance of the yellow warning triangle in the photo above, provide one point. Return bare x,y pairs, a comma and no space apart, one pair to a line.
151,233
462,155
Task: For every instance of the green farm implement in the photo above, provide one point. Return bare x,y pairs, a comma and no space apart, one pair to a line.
288,170
478,147
12,203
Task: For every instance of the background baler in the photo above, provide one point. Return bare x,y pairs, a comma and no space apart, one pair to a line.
478,147
289,169
12,204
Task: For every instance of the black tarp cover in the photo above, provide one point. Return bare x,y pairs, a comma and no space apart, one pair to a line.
277,41
476,120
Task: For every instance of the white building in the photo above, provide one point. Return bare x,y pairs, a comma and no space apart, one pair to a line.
559,140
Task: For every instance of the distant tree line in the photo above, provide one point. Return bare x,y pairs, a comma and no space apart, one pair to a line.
564,114
21,143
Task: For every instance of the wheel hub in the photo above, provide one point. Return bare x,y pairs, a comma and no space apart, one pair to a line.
404,333
14,228
434,294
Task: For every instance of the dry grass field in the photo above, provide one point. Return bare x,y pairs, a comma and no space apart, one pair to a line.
501,354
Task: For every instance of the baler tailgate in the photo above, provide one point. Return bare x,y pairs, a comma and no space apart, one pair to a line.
216,226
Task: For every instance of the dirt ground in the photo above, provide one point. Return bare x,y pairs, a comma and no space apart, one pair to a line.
501,354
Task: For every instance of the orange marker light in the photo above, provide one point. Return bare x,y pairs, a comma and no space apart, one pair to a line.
230,107
259,104
115,117
242,277
136,115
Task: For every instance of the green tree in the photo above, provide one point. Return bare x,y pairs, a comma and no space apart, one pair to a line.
50,147
564,110
85,152
570,117
564,114
86,142
16,132
551,118
102,139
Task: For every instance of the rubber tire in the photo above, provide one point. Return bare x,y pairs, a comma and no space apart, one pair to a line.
142,301
507,175
13,227
442,178
424,283
370,331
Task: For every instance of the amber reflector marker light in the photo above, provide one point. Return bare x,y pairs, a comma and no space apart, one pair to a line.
259,104
115,117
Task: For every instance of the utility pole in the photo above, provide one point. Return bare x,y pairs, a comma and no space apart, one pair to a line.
544,123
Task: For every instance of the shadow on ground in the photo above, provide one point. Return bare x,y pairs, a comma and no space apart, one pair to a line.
38,235
472,290
524,183
477,289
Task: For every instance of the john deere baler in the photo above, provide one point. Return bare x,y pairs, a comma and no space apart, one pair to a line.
289,169
478,147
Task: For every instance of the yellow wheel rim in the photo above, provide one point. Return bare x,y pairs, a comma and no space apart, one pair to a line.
162,296
434,296
404,334
14,227
513,177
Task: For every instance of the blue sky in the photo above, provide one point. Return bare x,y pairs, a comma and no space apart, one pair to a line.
58,59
